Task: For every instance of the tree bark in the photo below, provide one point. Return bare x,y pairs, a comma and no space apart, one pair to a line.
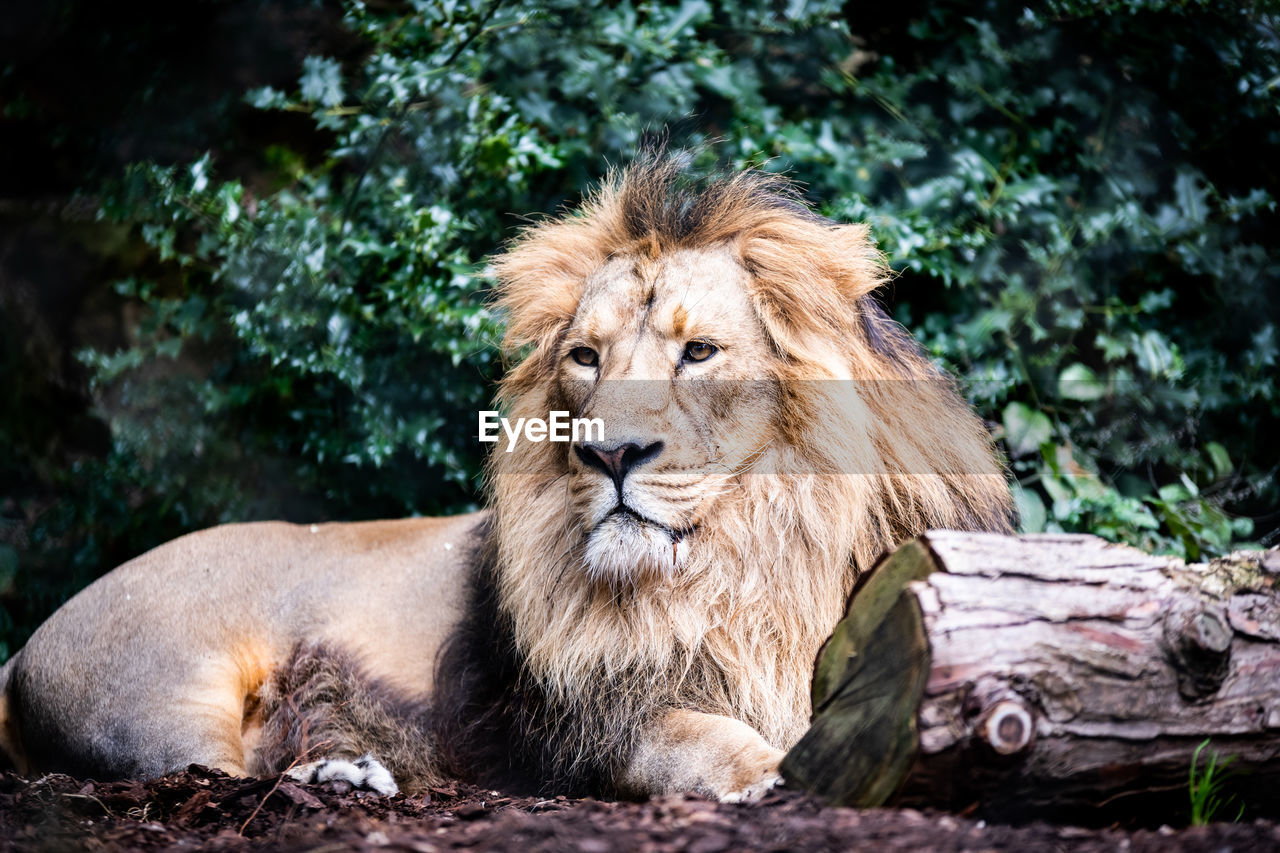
1055,676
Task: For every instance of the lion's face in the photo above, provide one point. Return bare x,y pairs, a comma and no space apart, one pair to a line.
670,356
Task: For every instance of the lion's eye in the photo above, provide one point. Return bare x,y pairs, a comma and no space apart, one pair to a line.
699,351
585,356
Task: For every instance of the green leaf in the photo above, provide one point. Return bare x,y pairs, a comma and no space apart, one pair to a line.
1189,485
170,347
689,12
1191,195
1025,429
1220,458
321,81
1156,355
1079,382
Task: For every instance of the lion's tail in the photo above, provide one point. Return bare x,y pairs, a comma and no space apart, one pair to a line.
322,704
12,756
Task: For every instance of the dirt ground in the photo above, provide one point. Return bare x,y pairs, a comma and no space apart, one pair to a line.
200,809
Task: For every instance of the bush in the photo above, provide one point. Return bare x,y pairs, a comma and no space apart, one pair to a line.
1079,201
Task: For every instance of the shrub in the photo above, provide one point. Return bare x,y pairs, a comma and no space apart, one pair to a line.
1078,201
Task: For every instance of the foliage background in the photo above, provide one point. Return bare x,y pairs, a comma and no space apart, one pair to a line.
242,259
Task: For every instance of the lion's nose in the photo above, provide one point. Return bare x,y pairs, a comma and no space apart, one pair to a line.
617,461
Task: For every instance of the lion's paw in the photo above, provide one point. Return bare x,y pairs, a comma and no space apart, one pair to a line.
364,772
754,772
753,791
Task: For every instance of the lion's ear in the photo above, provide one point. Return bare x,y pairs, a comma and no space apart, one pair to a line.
858,267
806,282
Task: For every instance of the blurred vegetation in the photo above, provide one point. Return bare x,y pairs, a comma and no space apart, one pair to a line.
1080,197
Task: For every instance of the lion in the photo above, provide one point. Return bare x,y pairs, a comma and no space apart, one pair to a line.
635,613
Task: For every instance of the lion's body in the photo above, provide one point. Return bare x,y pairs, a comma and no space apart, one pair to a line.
640,613
159,664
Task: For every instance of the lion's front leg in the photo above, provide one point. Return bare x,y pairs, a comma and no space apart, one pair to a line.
708,754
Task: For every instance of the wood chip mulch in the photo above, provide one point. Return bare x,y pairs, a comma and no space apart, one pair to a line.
201,809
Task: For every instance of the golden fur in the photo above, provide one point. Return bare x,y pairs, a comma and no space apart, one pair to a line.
637,629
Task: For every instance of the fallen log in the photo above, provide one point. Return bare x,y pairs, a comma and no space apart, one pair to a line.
1052,676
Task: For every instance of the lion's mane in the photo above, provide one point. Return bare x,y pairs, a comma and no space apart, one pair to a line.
736,630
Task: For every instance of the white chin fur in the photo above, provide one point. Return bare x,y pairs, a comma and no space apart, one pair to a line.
622,550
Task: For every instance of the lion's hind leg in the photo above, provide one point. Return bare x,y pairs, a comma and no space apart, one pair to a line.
324,719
